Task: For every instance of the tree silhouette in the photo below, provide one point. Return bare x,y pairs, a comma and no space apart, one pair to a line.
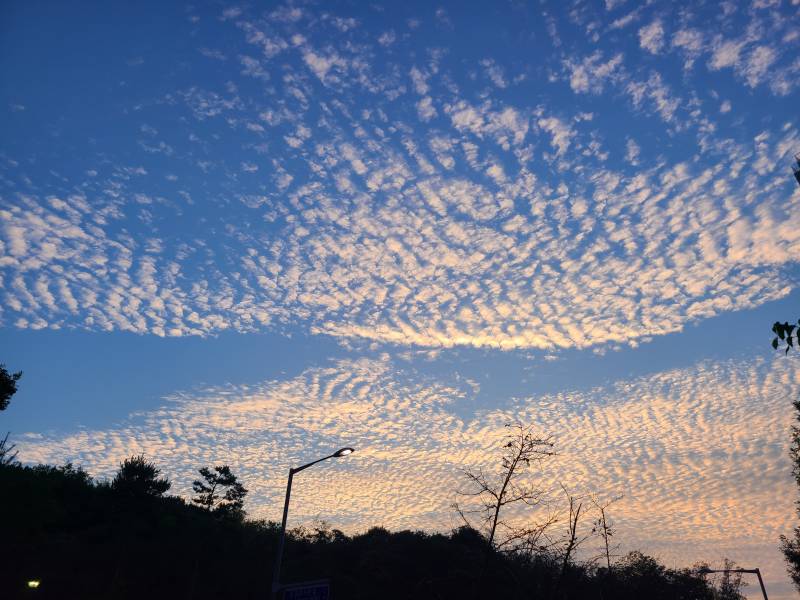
790,546
604,527
8,387
208,493
730,583
8,456
787,333
75,534
490,495
573,537
139,477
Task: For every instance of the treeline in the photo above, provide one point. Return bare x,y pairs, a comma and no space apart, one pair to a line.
128,538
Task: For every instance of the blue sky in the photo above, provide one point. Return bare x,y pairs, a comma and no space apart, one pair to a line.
231,231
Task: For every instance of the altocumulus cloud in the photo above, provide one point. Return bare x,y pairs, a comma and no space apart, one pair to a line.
376,196
699,453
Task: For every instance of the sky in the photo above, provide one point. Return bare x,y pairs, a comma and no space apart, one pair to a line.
254,233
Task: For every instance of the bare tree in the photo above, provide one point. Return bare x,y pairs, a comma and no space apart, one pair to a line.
8,455
489,495
573,538
604,527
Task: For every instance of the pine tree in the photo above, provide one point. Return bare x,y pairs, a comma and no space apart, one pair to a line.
139,477
209,492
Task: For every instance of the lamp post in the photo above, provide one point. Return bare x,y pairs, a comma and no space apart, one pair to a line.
276,575
706,570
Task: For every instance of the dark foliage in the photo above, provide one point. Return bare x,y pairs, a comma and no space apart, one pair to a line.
84,539
8,386
790,545
139,477
231,503
785,333
8,454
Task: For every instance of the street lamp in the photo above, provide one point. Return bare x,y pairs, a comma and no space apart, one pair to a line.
706,570
277,573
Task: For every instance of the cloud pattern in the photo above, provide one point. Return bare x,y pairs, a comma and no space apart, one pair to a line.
357,187
700,453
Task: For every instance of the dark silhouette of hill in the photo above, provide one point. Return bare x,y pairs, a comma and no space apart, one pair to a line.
87,539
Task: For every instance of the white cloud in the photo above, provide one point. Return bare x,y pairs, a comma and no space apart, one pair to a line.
758,64
322,65
651,37
287,14
632,152
231,12
726,53
658,95
494,72
387,38
425,109
591,73
419,80
571,251
561,133
695,452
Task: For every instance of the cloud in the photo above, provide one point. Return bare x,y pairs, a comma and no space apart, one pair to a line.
690,42
323,65
591,73
632,152
494,72
251,67
651,37
695,451
420,81
657,93
538,264
425,109
561,133
726,53
232,12
404,202
287,14
213,53
758,64
387,38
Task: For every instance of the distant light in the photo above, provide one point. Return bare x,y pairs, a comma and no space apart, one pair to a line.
343,452
34,583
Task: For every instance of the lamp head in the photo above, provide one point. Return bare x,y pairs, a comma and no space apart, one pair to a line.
343,452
